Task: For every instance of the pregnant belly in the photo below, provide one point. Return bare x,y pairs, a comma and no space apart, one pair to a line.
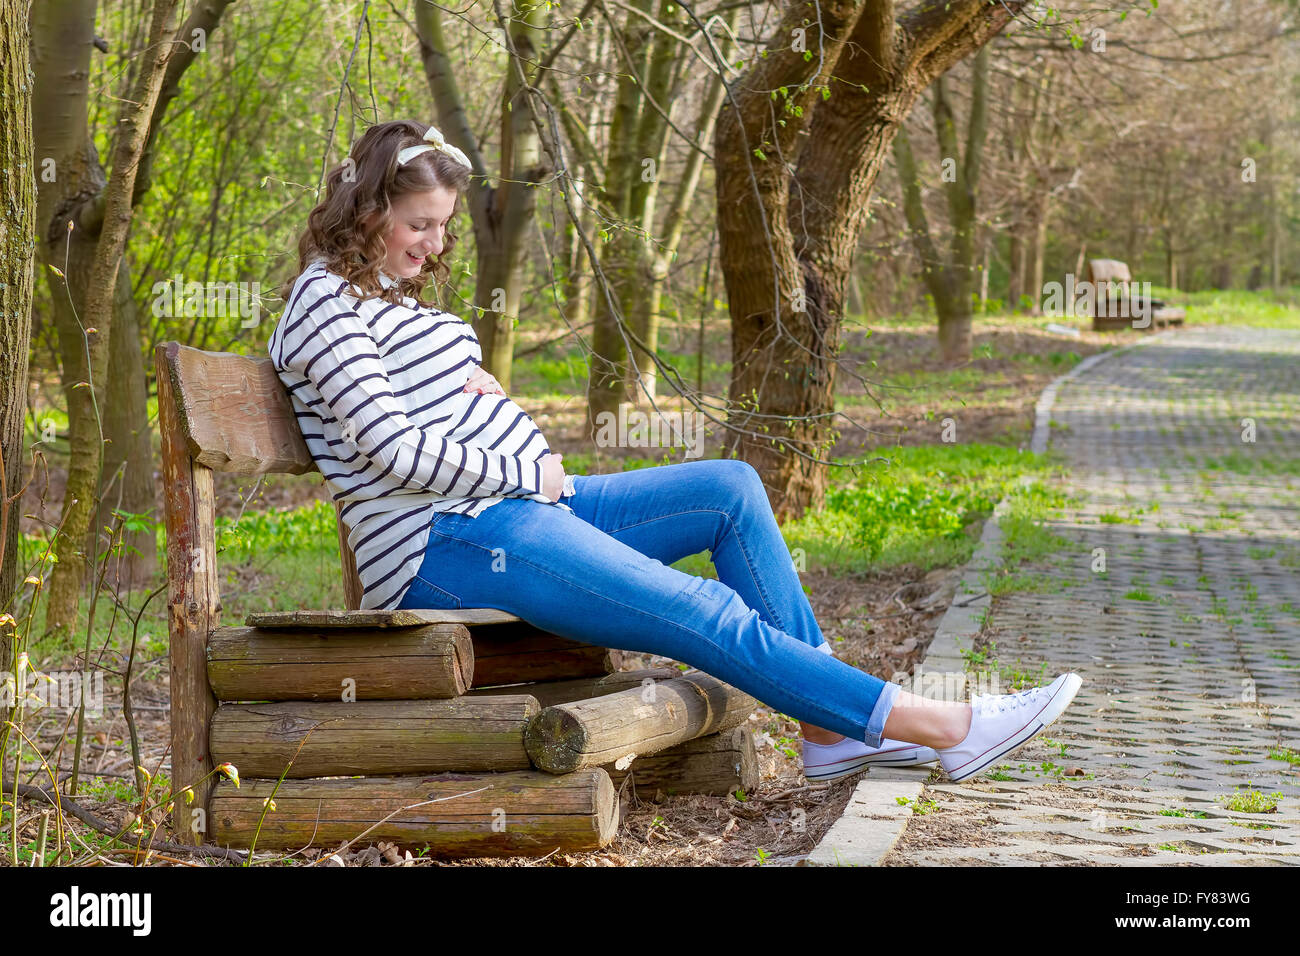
496,422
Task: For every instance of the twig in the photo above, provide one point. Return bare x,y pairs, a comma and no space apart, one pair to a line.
103,826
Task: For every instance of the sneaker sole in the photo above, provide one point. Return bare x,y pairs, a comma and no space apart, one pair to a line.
1055,707
844,768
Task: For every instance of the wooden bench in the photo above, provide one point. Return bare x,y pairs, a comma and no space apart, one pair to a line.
1116,306
470,732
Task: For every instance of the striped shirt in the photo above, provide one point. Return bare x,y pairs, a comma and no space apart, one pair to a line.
378,390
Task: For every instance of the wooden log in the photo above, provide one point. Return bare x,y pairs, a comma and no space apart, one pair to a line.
412,617
520,813
416,663
591,733
518,652
716,764
193,597
373,736
582,688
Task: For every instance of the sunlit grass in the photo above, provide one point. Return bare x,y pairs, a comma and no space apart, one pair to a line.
1262,309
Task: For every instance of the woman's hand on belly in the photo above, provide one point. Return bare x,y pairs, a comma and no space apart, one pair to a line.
482,381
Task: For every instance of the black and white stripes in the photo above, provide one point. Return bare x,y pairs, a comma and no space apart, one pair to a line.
379,394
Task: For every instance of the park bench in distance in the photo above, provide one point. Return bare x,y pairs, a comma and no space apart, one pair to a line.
470,732
1111,274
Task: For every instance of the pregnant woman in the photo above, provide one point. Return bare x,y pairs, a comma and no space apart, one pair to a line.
452,497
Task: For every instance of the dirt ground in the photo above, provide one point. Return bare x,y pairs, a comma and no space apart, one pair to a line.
885,620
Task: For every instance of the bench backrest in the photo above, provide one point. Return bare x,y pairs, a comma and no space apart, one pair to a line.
232,414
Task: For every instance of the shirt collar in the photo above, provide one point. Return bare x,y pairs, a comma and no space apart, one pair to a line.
386,280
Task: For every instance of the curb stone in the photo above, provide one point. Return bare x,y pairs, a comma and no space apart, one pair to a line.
874,820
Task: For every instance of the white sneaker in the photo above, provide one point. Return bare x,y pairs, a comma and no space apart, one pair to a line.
822,762
1002,722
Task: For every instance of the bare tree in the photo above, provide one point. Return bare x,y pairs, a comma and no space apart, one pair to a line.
950,276
789,217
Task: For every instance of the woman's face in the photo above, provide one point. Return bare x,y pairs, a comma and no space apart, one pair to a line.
419,224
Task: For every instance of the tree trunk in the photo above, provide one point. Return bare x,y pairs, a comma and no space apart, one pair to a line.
955,332
1040,251
132,130
608,371
786,259
503,215
17,252
128,481
1016,262
950,278
70,218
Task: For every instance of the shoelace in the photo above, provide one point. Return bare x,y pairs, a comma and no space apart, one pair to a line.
1002,702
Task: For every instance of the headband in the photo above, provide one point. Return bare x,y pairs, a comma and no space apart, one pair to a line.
433,139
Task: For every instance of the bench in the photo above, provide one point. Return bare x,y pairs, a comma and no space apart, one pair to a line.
1115,305
469,732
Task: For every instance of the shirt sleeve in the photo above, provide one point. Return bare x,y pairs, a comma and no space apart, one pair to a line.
330,346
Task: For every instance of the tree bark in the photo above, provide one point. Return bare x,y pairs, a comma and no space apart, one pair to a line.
17,254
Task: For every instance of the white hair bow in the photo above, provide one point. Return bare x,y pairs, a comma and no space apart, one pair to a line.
433,139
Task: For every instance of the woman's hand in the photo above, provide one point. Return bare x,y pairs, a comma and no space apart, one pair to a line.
482,381
552,476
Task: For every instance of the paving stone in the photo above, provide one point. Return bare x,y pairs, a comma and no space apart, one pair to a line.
1189,643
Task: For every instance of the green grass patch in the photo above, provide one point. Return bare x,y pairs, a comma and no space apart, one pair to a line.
1262,309
1251,801
1025,536
1248,463
922,506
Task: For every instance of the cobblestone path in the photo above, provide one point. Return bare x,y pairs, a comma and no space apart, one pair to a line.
1184,476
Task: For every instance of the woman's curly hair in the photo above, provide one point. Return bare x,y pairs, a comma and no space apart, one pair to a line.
363,186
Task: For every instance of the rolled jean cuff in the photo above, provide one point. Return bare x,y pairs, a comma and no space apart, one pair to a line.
880,713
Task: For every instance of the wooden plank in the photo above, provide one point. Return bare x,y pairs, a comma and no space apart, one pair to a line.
639,721
357,619
329,739
193,603
235,415
520,653
352,590
716,764
583,688
519,813
249,663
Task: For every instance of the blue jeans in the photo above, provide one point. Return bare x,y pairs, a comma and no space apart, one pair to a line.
601,576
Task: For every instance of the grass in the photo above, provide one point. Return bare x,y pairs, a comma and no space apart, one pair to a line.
1245,463
1263,309
1251,801
1024,534
921,506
